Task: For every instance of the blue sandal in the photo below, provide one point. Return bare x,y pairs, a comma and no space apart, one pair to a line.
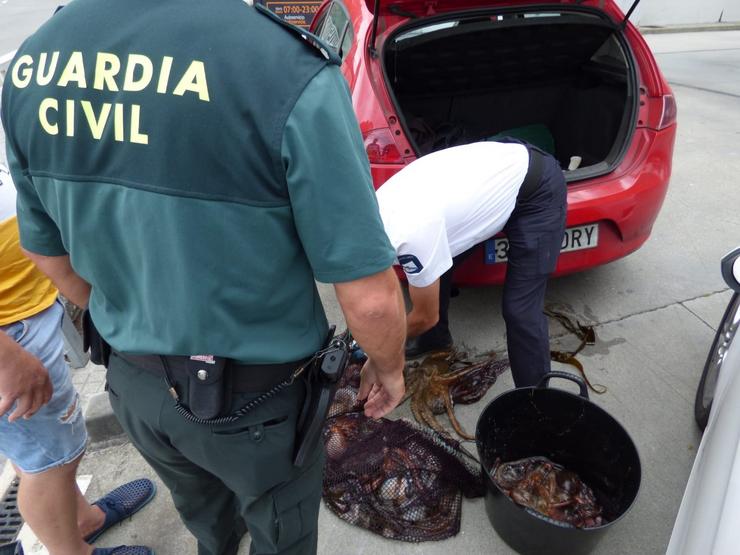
120,504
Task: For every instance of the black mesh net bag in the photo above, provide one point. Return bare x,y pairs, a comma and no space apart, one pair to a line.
394,477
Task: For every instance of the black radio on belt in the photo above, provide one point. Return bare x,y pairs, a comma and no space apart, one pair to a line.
321,385
333,362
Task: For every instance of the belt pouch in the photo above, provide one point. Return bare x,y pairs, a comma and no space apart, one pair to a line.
208,385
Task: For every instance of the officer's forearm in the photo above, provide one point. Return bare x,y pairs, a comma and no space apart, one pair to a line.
374,309
60,272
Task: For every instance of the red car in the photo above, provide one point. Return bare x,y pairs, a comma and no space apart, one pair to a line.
574,77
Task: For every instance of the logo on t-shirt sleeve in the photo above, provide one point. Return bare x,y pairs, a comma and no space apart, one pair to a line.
410,264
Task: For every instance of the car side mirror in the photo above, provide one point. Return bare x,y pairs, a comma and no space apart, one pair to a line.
731,269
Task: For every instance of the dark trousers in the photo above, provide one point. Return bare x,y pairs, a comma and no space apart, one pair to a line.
223,477
535,232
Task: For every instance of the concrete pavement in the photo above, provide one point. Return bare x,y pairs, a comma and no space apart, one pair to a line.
643,362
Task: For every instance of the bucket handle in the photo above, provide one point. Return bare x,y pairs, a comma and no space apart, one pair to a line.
544,383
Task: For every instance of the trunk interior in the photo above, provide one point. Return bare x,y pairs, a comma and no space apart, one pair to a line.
559,80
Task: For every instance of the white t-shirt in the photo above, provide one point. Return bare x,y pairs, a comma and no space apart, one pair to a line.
444,203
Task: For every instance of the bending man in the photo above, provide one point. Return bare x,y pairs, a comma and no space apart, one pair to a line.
443,204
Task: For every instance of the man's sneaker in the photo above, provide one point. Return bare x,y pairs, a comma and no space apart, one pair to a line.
123,550
120,504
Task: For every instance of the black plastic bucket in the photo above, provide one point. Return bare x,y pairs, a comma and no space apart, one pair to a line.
569,430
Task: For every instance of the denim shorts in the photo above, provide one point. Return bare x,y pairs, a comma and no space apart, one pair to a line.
56,434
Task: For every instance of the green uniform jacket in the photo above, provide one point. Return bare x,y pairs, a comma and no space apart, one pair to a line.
201,165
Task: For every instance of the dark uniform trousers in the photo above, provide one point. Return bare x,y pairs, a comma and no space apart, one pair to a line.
535,232
223,477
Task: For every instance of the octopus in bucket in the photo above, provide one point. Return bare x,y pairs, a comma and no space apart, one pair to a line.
551,490
444,378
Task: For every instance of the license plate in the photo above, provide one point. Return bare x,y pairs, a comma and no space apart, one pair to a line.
574,239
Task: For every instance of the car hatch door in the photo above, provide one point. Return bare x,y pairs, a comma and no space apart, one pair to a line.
426,8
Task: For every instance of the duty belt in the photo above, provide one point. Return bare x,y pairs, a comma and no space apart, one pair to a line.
245,378
534,174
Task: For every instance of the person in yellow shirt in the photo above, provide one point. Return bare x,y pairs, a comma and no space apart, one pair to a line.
42,429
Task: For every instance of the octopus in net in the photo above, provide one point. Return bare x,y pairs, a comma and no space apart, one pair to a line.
445,378
396,478
549,489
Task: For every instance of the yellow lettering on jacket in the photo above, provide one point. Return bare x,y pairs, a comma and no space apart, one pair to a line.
96,119
74,71
107,66
118,126
22,71
138,74
44,75
164,74
194,80
97,125
136,136
70,118
58,115
46,105
131,82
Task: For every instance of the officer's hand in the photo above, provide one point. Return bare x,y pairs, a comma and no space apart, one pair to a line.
383,389
24,379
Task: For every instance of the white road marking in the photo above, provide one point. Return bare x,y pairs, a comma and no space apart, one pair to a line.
6,478
5,58
31,544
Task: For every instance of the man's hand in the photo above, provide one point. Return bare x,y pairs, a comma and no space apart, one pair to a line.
22,378
376,316
383,390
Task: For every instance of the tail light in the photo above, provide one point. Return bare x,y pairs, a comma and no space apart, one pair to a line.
670,111
381,148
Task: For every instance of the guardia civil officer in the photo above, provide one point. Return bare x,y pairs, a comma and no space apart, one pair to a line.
199,165
443,204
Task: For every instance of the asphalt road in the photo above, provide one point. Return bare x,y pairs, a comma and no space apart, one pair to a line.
654,311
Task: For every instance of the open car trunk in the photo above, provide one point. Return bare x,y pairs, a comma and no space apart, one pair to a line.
563,80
